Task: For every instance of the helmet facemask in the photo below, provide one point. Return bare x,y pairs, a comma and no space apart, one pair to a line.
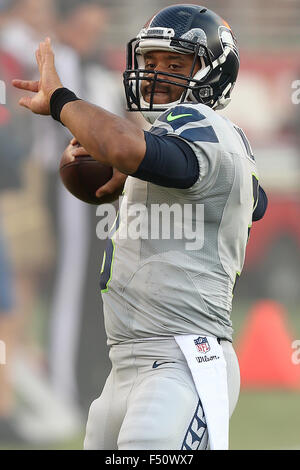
211,85
193,88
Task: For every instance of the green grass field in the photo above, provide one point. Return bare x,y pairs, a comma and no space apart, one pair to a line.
266,420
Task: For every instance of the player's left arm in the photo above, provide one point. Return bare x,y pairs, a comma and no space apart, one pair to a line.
110,139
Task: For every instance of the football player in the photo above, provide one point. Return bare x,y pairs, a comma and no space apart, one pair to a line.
166,307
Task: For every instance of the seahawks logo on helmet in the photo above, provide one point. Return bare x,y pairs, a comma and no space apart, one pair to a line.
187,29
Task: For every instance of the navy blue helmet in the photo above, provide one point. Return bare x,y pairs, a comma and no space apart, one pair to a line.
187,29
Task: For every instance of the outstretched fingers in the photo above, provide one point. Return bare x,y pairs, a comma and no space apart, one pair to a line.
45,52
39,60
28,85
43,89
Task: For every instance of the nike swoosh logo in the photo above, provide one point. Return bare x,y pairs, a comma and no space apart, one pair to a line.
157,364
171,118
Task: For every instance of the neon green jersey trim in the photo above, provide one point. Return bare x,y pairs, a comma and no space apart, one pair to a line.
103,262
111,267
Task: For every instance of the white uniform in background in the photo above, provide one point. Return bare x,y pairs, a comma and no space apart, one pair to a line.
75,231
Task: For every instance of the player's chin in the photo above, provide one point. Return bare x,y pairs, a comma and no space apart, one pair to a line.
158,98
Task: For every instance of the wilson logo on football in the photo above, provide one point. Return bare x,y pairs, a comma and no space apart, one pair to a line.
202,344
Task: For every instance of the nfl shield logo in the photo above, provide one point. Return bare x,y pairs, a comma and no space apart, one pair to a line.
202,344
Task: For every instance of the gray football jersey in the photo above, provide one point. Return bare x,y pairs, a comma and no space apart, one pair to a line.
174,254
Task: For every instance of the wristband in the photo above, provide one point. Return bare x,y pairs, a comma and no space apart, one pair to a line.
59,98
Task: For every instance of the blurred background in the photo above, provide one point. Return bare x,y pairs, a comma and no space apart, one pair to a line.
50,304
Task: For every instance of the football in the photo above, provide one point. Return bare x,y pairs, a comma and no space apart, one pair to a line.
83,176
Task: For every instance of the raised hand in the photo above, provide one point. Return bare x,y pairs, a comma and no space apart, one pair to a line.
45,87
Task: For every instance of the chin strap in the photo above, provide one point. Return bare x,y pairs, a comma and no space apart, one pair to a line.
222,102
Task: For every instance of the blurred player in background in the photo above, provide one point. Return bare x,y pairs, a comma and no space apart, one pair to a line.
175,378
72,216
73,316
10,151
8,428
13,153
27,220
38,218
